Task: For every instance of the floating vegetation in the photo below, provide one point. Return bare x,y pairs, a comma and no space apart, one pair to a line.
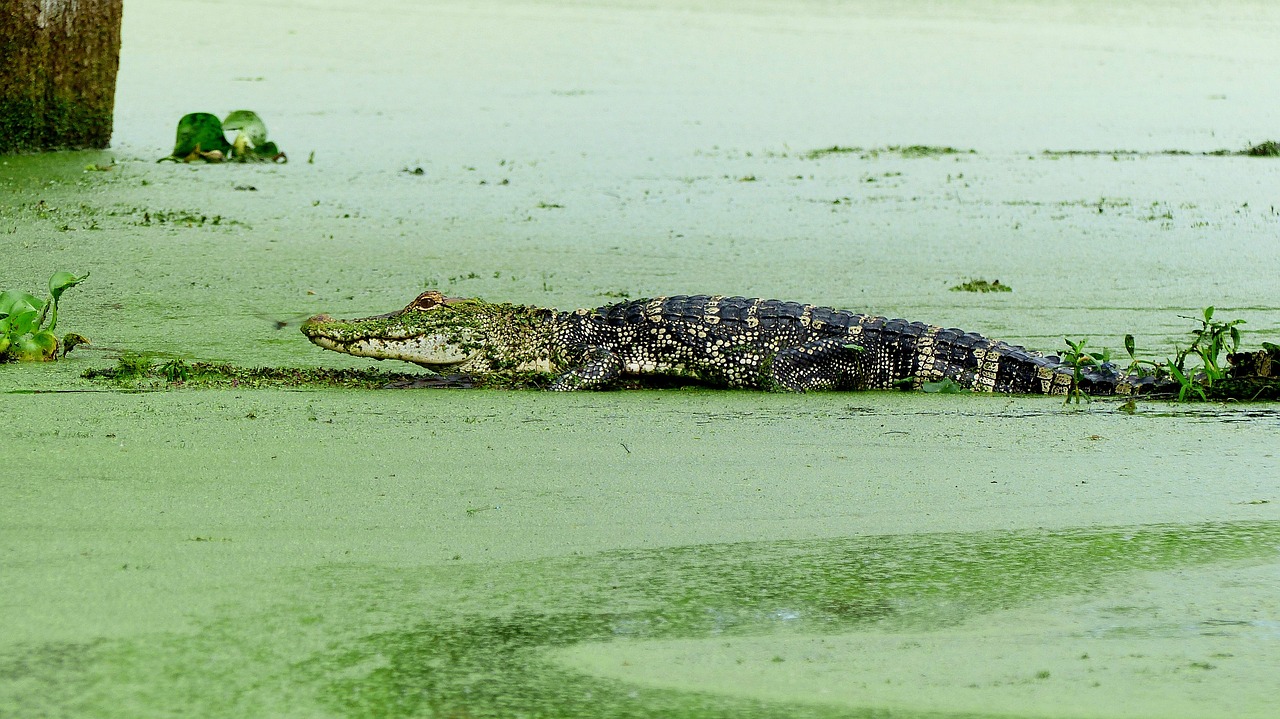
906,151
27,323
202,136
981,286
1243,376
143,371
1269,148
184,218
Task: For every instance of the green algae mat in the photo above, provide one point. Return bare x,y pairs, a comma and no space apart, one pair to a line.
974,624
265,543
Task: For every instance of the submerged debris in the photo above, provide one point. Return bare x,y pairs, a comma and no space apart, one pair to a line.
1252,376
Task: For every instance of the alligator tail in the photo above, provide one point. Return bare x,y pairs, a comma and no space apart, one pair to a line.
1106,379
901,350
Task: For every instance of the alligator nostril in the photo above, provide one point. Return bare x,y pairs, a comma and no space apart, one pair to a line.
310,324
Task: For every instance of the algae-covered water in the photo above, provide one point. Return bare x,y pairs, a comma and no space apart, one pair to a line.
324,552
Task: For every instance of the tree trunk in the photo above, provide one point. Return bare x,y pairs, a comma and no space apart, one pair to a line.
58,62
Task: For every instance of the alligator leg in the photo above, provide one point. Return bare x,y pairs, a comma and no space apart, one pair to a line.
834,363
602,366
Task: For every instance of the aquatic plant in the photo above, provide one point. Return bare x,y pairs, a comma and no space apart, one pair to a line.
981,286
1079,359
1247,376
905,151
27,323
1211,339
1270,148
202,136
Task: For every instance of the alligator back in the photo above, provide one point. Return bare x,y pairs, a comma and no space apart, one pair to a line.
761,343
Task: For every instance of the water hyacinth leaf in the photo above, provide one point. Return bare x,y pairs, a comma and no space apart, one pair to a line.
36,347
63,281
268,151
25,349
199,132
247,123
47,343
13,302
23,321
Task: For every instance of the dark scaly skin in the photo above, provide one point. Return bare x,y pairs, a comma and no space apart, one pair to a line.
731,341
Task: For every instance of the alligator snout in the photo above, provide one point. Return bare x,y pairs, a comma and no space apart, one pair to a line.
310,324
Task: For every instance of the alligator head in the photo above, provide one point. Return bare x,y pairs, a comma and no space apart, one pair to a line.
439,333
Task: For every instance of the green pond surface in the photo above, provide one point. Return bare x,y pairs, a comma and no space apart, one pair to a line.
309,552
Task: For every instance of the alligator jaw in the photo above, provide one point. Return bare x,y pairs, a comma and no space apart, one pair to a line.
430,350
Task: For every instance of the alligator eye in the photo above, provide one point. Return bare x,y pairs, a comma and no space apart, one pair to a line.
425,301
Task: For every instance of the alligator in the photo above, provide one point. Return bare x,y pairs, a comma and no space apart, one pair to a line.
726,341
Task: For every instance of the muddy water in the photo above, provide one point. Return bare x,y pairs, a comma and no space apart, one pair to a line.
701,553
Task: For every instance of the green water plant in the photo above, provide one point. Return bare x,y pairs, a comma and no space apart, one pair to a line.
1141,368
1080,359
981,286
202,136
27,323
1209,342
1210,367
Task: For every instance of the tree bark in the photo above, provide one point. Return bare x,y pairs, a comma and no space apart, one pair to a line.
58,62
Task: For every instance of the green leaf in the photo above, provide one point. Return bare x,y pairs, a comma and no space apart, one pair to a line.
946,385
268,151
13,302
48,344
23,321
4,344
36,347
63,281
199,131
1129,346
248,124
59,283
